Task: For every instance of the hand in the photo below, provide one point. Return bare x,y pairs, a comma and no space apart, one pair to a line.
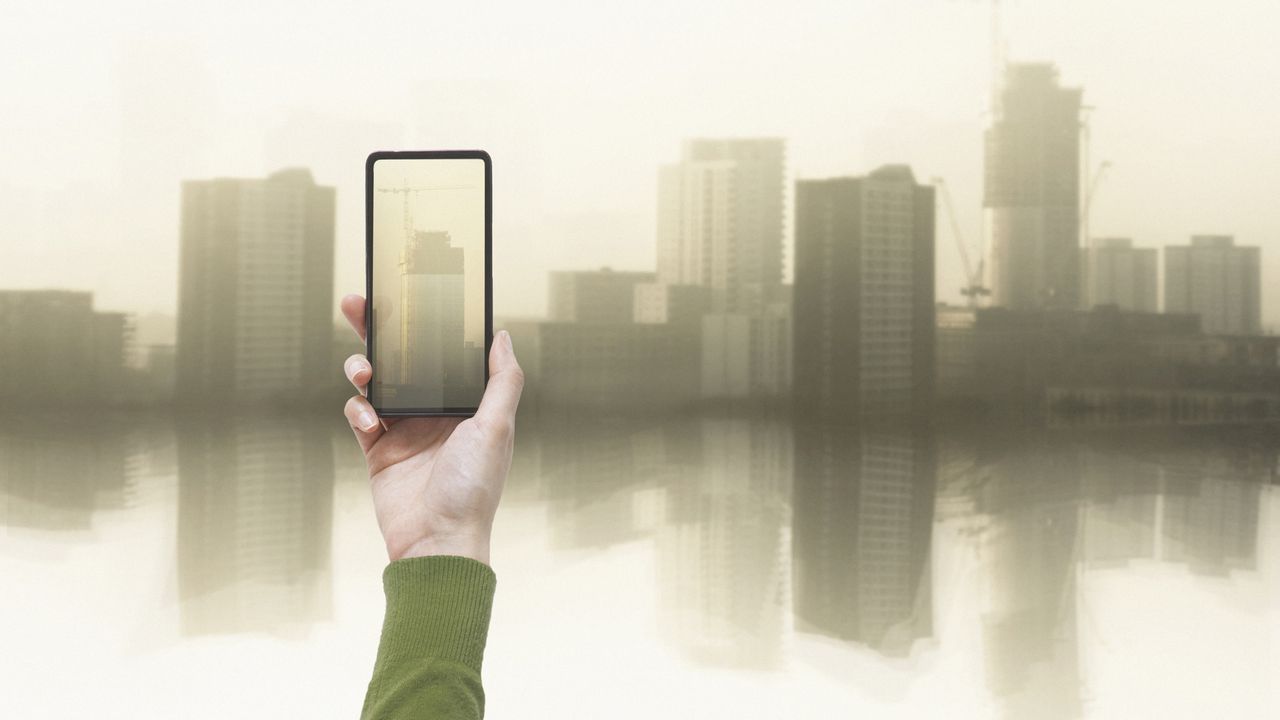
437,481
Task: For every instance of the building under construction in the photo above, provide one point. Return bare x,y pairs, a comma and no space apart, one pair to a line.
1032,190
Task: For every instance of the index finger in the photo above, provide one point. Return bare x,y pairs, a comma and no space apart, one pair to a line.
353,309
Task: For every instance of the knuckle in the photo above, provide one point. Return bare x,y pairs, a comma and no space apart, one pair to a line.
497,430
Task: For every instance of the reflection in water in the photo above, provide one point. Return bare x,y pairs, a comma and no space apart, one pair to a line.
1053,509
720,553
55,471
862,517
1030,547
255,516
907,550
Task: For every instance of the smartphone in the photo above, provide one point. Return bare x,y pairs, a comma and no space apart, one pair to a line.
428,280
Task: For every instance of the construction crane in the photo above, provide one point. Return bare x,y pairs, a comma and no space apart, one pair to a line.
973,289
406,191
1090,190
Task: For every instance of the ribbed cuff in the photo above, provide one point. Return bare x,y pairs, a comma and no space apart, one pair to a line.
437,607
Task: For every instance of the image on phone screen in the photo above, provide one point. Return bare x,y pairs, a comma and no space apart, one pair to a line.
429,317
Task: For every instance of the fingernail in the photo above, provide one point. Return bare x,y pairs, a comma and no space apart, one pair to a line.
367,421
506,338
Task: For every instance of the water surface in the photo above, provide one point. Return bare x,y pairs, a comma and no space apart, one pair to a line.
740,567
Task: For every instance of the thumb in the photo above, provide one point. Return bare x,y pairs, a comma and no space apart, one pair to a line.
506,381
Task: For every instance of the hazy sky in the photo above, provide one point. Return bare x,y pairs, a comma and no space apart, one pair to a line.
105,109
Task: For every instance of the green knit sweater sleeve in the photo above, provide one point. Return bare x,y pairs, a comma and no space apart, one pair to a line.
433,639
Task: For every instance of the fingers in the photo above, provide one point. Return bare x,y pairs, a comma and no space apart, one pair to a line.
506,382
353,308
358,371
364,421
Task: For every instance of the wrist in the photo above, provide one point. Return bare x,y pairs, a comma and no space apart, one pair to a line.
474,546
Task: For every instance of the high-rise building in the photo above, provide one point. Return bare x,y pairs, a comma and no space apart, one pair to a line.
603,296
863,320
1217,280
432,318
1032,190
255,288
58,350
1114,272
720,221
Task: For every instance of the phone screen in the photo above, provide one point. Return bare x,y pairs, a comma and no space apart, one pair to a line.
428,268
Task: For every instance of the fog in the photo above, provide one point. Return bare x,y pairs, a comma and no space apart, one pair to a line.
105,109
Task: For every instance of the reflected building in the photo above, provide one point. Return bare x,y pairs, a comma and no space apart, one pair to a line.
1030,551
1055,508
255,289
721,584
255,519
589,470
861,534
56,472
432,321
1032,190
1195,504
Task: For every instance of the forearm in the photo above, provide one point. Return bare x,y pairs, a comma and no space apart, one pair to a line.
433,639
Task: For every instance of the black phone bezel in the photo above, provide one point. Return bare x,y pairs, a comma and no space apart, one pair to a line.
368,269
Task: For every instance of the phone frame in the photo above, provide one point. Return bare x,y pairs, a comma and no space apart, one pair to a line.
368,270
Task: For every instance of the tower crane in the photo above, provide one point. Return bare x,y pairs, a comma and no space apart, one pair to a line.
1090,190
405,190
973,289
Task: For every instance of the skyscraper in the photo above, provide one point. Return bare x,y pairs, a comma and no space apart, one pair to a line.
432,317
720,228
720,221
255,288
1032,190
1218,281
1114,272
864,292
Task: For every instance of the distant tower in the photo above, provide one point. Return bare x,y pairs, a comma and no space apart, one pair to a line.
864,297
1218,281
720,221
1117,273
1033,190
432,316
255,288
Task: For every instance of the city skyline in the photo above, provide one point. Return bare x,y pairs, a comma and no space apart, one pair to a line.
880,358
178,109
